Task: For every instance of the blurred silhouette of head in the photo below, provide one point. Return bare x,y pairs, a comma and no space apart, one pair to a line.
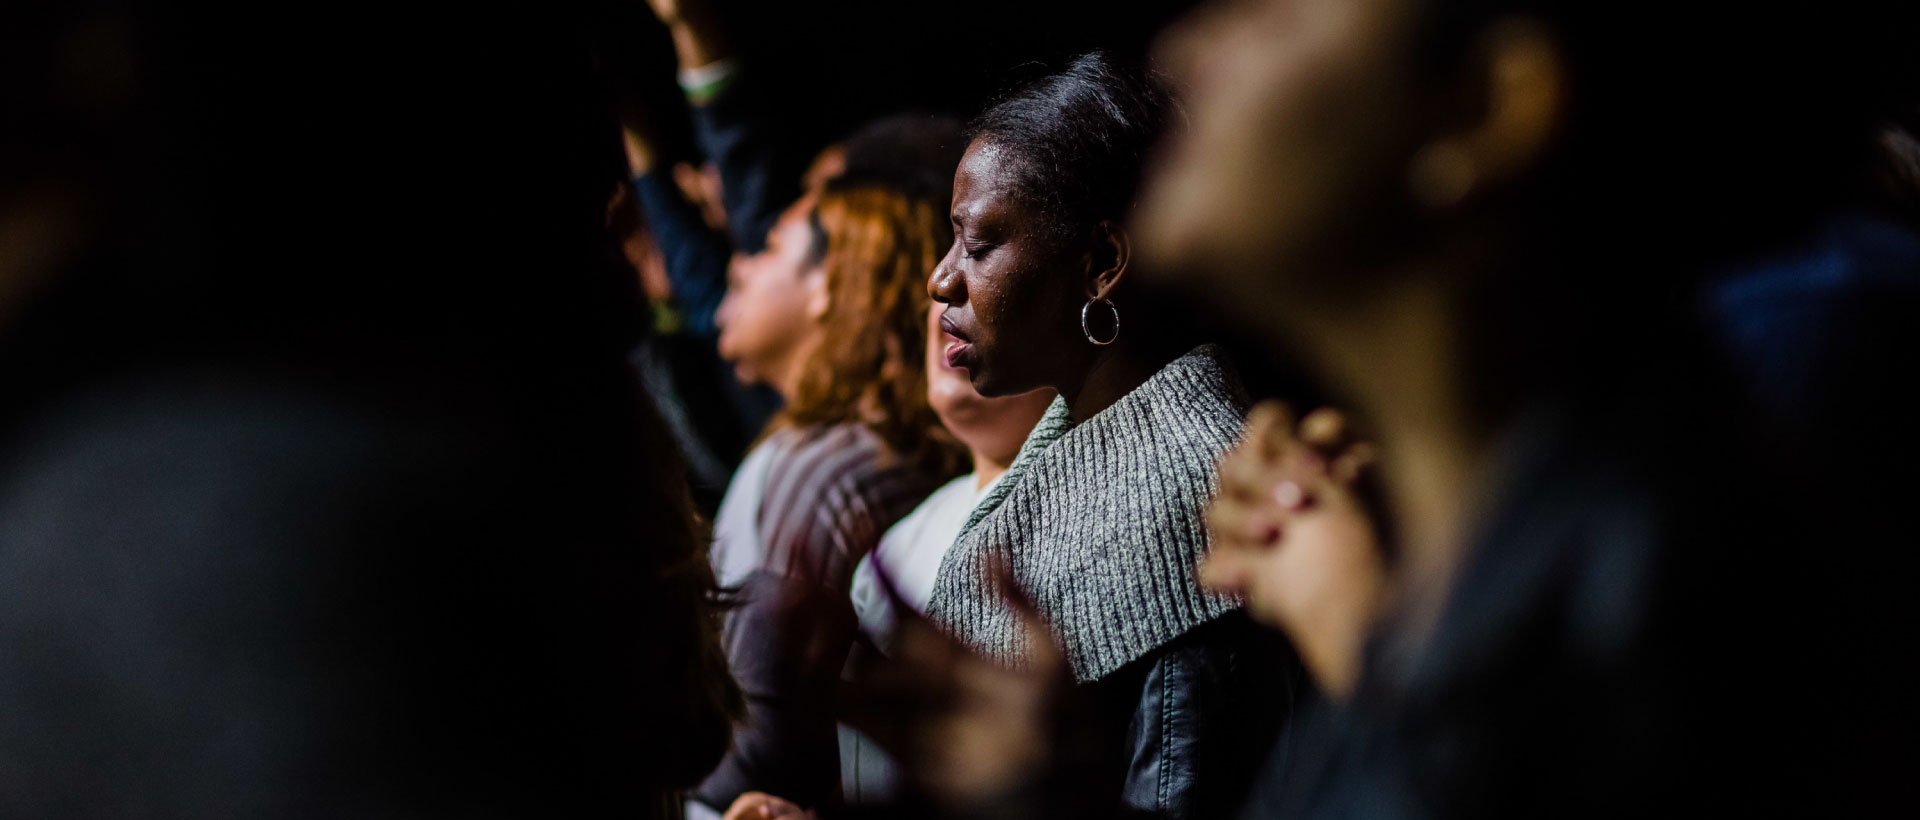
914,153
1333,145
769,319
378,399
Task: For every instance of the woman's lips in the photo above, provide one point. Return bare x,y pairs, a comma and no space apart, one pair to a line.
956,351
951,327
957,345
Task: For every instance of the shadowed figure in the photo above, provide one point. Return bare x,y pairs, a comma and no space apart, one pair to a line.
325,489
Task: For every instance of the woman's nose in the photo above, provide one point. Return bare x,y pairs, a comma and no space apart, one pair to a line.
944,285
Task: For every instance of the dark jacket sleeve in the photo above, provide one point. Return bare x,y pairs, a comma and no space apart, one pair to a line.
757,179
826,505
1210,706
696,256
786,642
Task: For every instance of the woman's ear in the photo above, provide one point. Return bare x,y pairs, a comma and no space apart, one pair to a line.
1111,252
1517,72
814,284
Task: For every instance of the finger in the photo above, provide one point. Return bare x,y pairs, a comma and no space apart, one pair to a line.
780,807
1045,655
1325,429
1247,476
1347,468
1234,524
1225,573
1270,429
1000,576
746,807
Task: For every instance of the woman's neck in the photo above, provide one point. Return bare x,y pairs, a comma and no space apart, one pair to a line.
988,466
1113,374
787,374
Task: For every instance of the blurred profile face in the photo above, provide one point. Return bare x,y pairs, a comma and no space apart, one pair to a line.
1299,132
1012,296
766,319
992,429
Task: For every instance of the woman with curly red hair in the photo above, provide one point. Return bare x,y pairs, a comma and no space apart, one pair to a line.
832,314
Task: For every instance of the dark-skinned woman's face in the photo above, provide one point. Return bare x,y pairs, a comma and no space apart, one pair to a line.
1012,292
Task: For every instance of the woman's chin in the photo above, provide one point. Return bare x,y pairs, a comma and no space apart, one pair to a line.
982,380
743,373
990,384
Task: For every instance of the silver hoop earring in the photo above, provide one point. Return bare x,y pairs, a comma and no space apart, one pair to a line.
1087,329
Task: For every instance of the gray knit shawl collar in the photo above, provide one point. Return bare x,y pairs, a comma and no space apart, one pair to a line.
1101,524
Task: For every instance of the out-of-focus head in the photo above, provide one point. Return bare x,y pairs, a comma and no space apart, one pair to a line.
1333,141
1039,201
770,318
869,366
911,152
1300,121
991,428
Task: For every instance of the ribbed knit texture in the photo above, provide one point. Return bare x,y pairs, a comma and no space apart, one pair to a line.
1101,524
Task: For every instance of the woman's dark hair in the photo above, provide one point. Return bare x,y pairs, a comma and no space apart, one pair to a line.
1076,140
912,152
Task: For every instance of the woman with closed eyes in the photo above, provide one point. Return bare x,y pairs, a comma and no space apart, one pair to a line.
1098,519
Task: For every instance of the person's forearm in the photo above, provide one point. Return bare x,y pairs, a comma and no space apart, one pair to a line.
757,181
697,45
696,257
698,37
639,153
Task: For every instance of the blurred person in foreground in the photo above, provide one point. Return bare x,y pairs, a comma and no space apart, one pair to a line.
372,525
1582,610
832,314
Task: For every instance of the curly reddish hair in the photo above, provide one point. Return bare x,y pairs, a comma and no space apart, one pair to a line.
870,366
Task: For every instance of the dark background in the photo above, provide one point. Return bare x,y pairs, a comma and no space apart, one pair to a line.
828,67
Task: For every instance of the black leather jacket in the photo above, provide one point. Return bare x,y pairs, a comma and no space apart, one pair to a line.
1195,718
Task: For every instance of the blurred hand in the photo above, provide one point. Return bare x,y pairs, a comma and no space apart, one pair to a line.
762,806
698,36
965,729
1290,534
667,10
637,141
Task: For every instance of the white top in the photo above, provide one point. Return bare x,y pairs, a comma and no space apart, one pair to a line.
737,550
909,553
